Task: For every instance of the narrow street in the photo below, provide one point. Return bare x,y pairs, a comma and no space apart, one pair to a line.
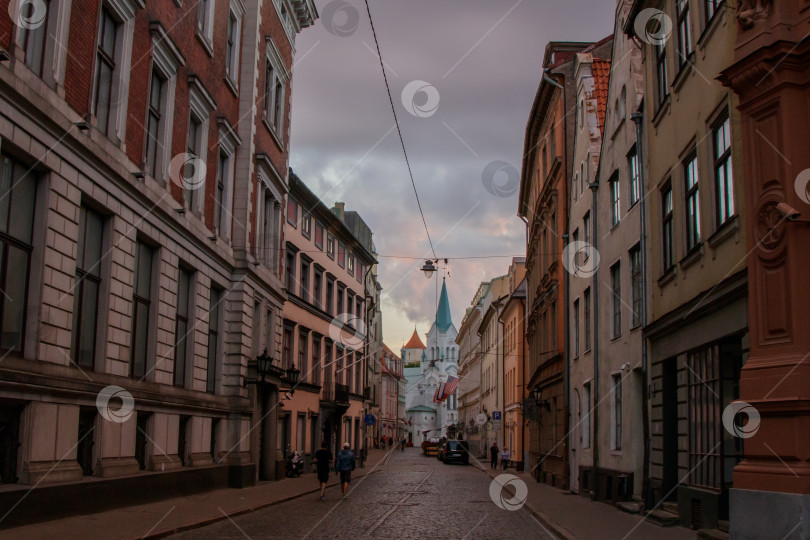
409,495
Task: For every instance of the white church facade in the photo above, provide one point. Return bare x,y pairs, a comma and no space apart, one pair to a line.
426,368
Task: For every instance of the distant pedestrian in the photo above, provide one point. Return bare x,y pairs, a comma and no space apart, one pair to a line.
344,465
505,458
323,459
403,444
383,442
493,456
390,442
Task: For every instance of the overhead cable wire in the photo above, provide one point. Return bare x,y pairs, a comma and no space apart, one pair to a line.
399,131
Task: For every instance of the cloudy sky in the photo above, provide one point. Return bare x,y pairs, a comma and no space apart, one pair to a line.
482,61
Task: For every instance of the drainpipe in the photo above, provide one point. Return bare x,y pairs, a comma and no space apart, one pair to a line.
637,118
594,186
549,80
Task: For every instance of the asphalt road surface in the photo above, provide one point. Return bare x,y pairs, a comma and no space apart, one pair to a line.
407,496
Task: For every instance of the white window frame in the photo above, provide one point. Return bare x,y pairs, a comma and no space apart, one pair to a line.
268,242
166,60
54,57
205,25
237,10
228,142
200,105
281,74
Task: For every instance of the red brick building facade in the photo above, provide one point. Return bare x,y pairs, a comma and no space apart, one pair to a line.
144,169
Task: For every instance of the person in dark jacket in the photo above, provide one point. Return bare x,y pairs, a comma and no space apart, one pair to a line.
344,465
323,458
493,455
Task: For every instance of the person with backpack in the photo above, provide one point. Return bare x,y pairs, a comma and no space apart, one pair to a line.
345,463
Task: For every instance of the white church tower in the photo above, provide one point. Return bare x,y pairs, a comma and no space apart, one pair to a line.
438,360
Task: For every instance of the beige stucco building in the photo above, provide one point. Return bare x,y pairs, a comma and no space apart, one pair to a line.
698,323
513,322
619,280
490,349
327,261
469,370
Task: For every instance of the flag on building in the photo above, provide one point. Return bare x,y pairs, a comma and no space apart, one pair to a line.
448,388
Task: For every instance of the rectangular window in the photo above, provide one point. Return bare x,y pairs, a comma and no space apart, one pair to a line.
88,284
142,302
181,326
616,413
358,310
303,354
724,178
287,344
684,32
713,382
292,212
635,181
274,90
214,315
350,264
616,304
301,432
306,225
636,288
576,328
290,271
690,171
330,246
317,289
318,235
304,279
360,272
587,302
193,147
341,255
105,68
666,229
586,227
712,7
586,415
205,17
154,119
340,295
232,47
661,81
221,213
330,296
35,39
316,359
615,208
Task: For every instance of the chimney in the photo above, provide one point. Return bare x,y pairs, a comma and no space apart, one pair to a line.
339,209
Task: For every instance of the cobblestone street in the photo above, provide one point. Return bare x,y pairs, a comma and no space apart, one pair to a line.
410,496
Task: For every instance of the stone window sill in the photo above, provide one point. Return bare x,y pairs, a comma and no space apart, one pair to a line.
726,230
668,276
662,111
206,43
694,255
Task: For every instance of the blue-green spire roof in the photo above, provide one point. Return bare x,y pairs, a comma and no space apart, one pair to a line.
443,320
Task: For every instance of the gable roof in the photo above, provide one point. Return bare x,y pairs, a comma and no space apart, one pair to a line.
601,78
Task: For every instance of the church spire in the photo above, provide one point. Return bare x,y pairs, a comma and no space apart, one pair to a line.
443,319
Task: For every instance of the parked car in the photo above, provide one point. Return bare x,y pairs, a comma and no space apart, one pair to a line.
455,451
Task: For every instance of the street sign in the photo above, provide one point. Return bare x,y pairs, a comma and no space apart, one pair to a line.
481,419
496,415
369,420
496,425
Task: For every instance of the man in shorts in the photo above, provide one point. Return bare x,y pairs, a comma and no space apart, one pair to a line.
323,458
344,465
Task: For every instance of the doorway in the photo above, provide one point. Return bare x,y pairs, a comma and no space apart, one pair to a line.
670,427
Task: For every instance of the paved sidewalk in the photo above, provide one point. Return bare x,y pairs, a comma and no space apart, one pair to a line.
159,519
572,516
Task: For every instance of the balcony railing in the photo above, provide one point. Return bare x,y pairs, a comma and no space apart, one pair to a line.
339,393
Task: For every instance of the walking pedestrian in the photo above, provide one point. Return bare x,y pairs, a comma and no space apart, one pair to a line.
323,458
403,444
493,456
505,458
344,465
